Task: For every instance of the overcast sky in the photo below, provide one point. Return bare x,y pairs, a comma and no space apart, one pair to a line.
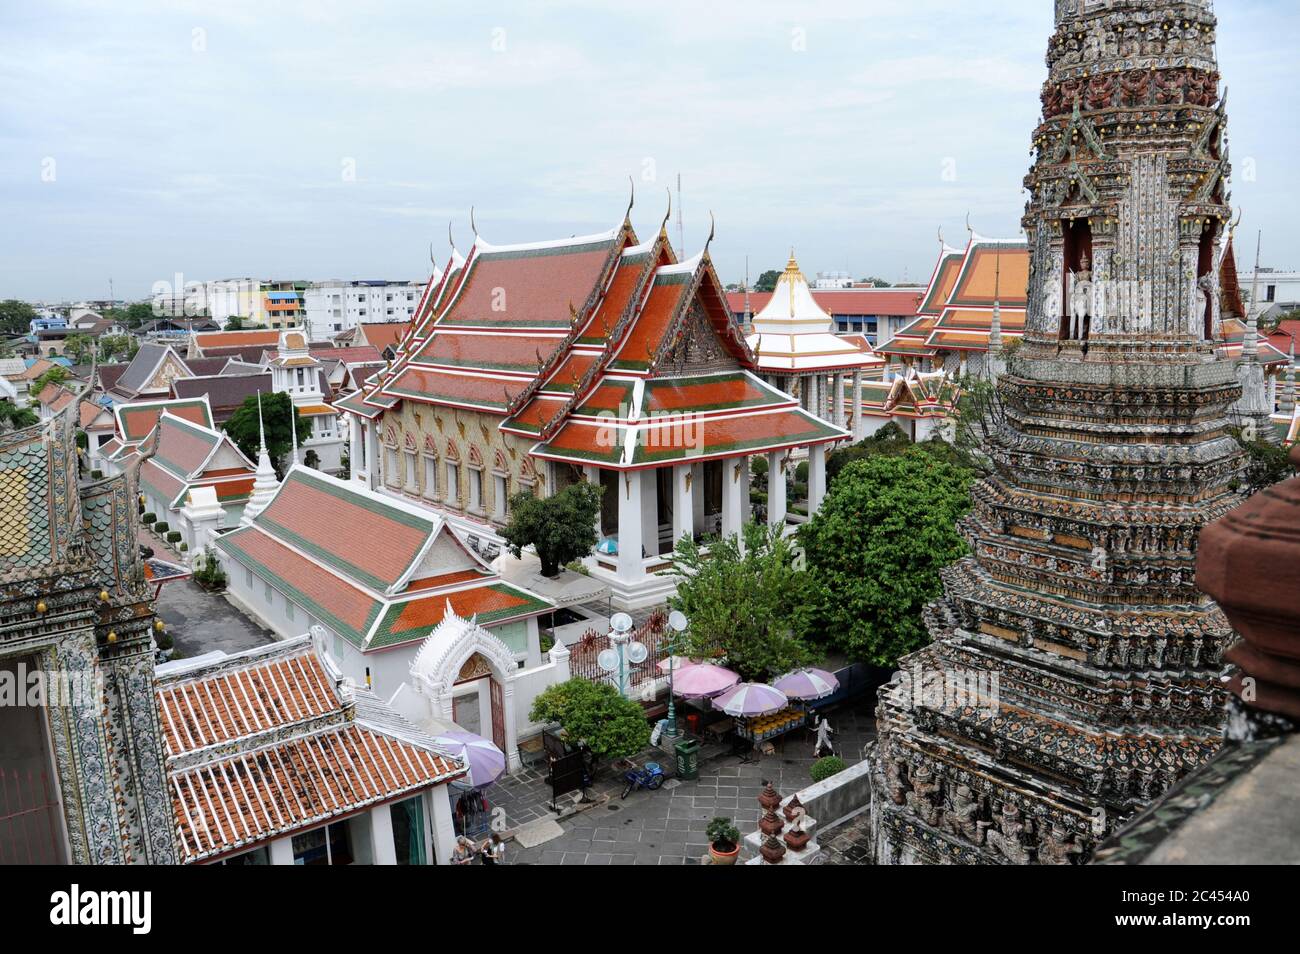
336,140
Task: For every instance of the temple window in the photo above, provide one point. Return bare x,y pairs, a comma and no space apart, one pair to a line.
453,483
501,496
430,477
411,484
476,489
327,845
392,467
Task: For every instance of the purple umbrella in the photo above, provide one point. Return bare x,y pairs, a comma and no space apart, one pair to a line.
702,680
751,699
485,761
808,684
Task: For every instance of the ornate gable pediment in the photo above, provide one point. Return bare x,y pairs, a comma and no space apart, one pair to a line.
695,345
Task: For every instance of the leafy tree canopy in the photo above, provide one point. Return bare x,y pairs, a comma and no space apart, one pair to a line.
233,323
16,316
1266,464
890,440
560,528
13,417
111,346
750,603
876,546
595,714
767,281
79,347
875,282
277,413
55,375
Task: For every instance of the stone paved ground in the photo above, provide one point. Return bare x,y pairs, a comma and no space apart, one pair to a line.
848,844
201,622
667,827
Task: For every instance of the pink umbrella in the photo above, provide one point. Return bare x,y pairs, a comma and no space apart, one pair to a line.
702,680
751,699
676,663
808,684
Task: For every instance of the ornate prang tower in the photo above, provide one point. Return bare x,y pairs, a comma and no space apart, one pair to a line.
1073,673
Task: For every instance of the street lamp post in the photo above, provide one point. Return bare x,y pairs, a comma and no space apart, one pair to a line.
676,623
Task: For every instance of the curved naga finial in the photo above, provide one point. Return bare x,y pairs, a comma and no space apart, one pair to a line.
432,260
450,241
942,243
631,198
1233,227
663,226
969,230
472,227
712,226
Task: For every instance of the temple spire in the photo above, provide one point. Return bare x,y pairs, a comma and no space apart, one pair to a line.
1250,340
996,364
1288,393
265,483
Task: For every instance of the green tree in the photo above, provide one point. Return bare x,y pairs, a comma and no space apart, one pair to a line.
139,313
79,347
16,316
277,414
560,528
13,417
875,282
110,346
767,281
55,375
1266,464
749,603
876,546
233,323
594,714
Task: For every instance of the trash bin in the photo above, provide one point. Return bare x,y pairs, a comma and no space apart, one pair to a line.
688,759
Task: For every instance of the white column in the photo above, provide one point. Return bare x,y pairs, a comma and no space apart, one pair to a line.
440,824
282,851
649,511
837,396
697,494
593,477
683,502
776,489
816,477
373,463
382,850
733,495
630,566
857,405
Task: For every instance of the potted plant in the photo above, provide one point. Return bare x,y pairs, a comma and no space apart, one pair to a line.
724,841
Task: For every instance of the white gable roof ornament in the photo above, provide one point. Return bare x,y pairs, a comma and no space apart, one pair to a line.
265,483
449,644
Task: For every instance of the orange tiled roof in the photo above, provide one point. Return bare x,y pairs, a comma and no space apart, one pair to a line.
365,538
237,339
263,744
228,705
381,335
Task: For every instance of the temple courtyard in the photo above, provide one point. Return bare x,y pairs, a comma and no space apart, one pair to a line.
666,827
